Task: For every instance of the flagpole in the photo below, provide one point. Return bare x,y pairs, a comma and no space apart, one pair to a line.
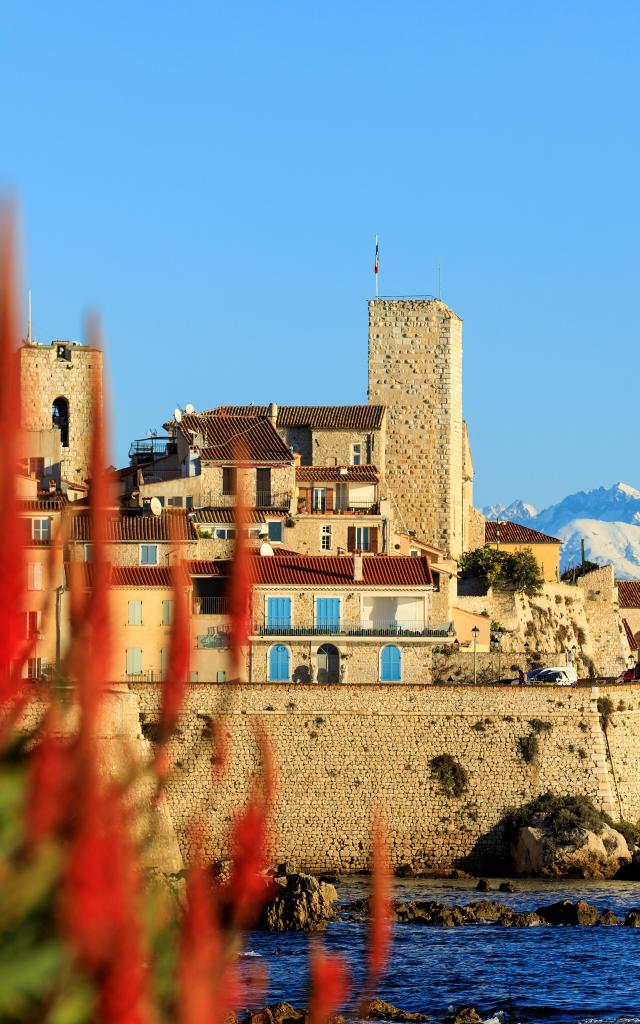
376,267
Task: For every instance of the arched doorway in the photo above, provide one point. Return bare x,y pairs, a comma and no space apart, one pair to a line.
328,664
60,419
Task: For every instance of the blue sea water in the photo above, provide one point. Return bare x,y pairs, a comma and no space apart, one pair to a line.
539,975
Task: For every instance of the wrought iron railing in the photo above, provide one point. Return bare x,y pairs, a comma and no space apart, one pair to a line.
365,628
258,499
354,508
210,605
152,447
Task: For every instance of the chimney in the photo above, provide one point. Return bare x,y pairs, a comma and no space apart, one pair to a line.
297,458
358,572
272,413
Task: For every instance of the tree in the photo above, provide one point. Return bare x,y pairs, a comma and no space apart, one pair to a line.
516,570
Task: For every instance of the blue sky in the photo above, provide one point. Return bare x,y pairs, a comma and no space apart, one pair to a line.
209,177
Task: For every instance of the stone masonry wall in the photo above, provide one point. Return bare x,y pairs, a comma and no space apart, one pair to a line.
341,750
415,369
45,377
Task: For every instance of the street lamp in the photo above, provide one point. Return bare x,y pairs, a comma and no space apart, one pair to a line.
526,661
497,646
475,633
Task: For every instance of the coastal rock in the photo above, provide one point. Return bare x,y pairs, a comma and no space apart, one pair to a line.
377,1009
568,912
464,1015
283,1013
506,887
483,885
486,910
632,919
300,903
535,851
607,917
430,912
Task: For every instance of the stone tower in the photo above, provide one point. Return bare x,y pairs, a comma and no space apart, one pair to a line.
415,369
56,384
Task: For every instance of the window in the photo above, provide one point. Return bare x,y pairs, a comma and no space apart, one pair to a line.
193,677
134,661
229,479
356,454
319,499
328,659
32,624
164,661
135,613
390,664
263,487
325,538
41,529
168,608
188,501
275,531
328,613
88,552
221,677
36,468
279,612
35,668
148,554
362,538
414,553
34,576
225,533
279,664
174,502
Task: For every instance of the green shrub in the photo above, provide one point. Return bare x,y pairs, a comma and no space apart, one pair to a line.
517,570
562,815
539,726
451,775
605,710
529,747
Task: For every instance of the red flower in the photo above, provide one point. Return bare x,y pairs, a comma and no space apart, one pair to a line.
49,777
329,985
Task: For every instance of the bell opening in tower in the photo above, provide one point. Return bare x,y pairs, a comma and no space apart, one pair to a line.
60,419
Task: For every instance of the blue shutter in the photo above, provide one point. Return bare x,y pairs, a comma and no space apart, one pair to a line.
279,664
390,664
279,612
328,613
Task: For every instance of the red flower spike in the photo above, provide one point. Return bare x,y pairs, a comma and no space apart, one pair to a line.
175,684
48,781
380,920
248,889
329,982
12,560
220,744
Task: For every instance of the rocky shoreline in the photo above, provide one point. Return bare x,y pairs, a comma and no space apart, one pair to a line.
373,1009
446,915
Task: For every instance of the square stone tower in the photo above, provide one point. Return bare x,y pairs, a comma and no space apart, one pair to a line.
56,384
415,369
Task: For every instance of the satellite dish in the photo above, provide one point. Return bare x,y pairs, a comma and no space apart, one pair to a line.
177,415
189,408
155,506
265,550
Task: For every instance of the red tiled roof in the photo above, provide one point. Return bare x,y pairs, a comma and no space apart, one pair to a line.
628,593
327,570
514,533
124,575
134,526
227,515
316,417
312,474
49,504
633,643
224,433
209,567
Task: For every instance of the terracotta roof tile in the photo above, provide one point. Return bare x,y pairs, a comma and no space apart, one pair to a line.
633,643
227,515
311,474
49,504
327,570
224,432
628,593
514,533
125,575
135,526
316,417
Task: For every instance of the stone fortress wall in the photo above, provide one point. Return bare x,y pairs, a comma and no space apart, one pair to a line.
61,370
341,750
415,369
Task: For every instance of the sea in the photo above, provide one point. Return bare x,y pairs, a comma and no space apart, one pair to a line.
535,975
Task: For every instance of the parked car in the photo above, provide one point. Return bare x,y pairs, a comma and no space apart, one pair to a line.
628,676
554,675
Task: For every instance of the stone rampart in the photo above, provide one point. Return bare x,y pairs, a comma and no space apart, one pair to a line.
342,750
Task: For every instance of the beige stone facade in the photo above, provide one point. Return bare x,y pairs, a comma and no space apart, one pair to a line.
415,370
60,373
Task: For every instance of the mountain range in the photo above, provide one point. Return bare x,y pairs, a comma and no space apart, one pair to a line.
607,519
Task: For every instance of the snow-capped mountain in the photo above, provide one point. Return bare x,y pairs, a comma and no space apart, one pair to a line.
518,510
607,519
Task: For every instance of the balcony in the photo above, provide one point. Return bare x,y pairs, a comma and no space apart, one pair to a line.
351,508
260,499
147,448
210,605
383,628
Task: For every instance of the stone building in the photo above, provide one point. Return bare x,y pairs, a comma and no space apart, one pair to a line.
415,371
56,383
504,535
